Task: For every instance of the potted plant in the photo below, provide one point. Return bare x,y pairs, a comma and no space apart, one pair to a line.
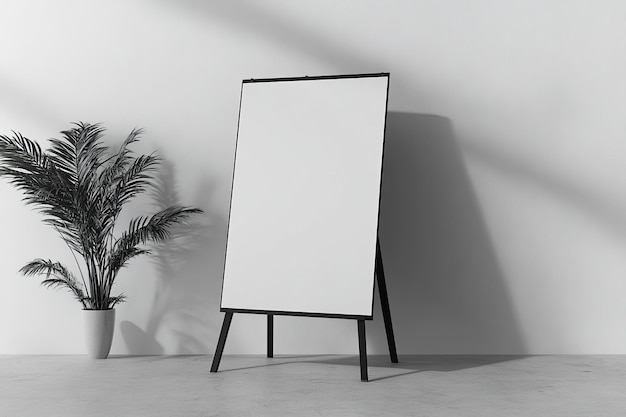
80,185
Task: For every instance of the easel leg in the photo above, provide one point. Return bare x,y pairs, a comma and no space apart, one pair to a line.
270,335
362,350
384,303
221,342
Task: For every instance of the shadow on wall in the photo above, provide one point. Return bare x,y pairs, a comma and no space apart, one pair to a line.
445,285
607,212
185,288
258,20
23,100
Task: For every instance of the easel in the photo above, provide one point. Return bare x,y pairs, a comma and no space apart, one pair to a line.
384,302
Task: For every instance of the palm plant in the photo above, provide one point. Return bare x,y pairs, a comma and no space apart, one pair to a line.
80,186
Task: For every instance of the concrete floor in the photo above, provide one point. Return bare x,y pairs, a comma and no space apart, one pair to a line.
431,386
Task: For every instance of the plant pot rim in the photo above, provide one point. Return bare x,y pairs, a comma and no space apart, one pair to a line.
98,309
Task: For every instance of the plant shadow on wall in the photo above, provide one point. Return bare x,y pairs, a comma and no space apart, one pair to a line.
183,292
445,285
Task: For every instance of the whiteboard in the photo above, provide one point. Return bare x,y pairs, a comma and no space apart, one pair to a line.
305,197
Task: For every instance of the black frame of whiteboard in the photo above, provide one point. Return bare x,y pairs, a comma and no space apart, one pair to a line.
295,313
378,273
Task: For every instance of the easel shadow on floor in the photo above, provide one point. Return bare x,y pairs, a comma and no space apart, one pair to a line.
381,366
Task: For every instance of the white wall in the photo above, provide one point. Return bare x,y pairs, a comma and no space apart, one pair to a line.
503,218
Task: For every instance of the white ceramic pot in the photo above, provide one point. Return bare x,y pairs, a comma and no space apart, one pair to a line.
98,326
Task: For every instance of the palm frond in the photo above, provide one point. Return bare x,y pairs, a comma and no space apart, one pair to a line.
155,228
32,171
21,152
57,275
115,300
118,163
137,178
63,154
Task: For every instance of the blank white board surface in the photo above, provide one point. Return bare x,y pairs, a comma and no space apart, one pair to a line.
306,188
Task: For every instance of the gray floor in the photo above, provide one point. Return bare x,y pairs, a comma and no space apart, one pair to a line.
313,386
